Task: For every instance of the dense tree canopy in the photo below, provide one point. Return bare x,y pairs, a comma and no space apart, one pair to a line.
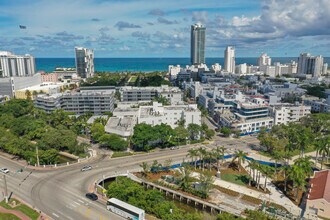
152,201
24,128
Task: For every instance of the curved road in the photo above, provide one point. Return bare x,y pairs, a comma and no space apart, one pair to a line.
61,193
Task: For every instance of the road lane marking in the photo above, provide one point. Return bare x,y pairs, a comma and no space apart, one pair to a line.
82,202
76,203
54,214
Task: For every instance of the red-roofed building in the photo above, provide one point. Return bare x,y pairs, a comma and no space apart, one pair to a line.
318,199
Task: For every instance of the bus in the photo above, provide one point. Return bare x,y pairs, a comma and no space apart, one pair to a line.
125,210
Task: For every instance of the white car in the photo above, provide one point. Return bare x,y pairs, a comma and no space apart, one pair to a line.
4,170
85,168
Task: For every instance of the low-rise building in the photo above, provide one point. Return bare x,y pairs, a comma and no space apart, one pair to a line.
247,118
134,94
283,113
44,88
96,102
170,115
318,198
49,77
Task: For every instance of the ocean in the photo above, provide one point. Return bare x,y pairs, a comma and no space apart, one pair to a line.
144,64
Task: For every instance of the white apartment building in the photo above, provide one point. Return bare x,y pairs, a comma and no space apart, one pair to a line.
170,115
241,69
12,65
173,71
283,113
134,94
230,59
264,60
96,102
84,62
318,105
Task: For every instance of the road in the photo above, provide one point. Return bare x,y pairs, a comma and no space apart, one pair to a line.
61,193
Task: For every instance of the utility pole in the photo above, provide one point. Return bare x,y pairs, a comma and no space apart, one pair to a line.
6,190
38,164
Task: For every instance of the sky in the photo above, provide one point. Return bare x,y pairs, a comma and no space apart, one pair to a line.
161,28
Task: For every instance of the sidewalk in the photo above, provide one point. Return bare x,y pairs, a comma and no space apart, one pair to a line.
277,196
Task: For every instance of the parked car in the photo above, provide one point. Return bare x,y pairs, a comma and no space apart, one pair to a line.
85,168
92,196
4,170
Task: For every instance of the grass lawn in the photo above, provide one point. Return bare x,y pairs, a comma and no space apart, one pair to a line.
4,216
121,154
240,179
132,79
21,207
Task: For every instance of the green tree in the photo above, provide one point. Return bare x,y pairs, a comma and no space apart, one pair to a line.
180,134
113,142
194,131
225,131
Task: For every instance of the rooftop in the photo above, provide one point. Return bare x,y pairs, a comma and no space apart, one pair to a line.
320,186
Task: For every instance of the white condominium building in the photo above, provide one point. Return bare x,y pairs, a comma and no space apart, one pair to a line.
12,65
170,115
283,113
230,59
264,60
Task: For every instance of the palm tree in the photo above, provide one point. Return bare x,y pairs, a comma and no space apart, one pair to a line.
185,178
277,156
210,156
306,164
240,156
253,165
219,153
285,169
193,153
322,147
145,167
267,172
298,176
206,179
202,153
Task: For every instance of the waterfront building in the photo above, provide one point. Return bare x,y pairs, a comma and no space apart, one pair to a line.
96,102
84,62
230,59
12,65
264,60
310,65
197,47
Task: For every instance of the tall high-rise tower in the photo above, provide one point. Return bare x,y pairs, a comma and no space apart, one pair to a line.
230,59
197,48
84,62
308,64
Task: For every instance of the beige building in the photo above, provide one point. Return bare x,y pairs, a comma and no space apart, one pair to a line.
44,88
318,199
